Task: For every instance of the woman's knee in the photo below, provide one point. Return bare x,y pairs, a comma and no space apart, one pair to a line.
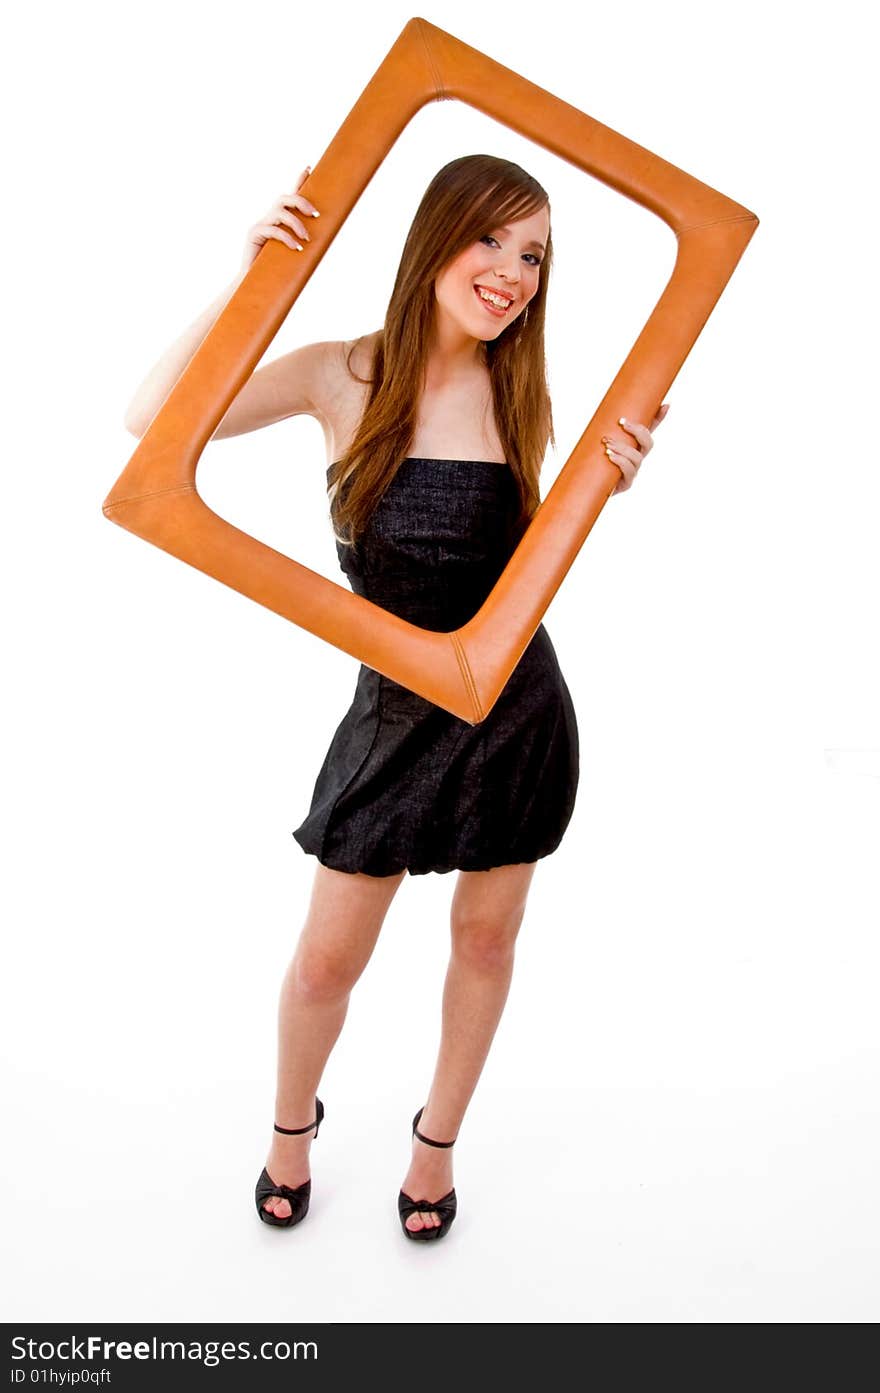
345,916
324,975
485,941
487,910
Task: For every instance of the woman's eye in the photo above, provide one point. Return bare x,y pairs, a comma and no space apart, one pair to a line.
536,260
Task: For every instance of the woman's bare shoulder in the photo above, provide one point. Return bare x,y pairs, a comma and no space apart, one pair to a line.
358,354
348,364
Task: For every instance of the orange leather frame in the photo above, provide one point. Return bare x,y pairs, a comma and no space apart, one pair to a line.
463,671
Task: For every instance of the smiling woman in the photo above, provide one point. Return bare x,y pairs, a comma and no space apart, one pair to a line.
508,299
442,419
446,430
481,228
437,425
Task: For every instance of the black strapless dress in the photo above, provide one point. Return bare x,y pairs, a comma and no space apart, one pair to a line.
405,785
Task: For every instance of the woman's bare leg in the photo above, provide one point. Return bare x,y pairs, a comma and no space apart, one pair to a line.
487,910
345,915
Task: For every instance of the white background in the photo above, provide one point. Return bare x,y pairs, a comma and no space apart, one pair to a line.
678,1120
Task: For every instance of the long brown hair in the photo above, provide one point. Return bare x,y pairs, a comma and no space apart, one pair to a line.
463,202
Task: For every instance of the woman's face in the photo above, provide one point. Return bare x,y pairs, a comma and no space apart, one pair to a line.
506,260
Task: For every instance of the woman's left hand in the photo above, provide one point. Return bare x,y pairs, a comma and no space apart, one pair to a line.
626,456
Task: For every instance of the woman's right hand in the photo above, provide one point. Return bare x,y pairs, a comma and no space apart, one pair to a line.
268,226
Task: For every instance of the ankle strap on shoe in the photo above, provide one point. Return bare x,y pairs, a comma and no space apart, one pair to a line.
297,1131
428,1140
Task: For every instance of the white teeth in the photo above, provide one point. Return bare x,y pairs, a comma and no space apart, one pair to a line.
493,299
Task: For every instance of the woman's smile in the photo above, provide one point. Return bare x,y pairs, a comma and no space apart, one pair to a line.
487,305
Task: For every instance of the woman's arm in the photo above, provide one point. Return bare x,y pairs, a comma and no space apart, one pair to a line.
165,372
286,387
298,383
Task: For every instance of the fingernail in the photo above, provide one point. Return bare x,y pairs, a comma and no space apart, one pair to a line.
623,420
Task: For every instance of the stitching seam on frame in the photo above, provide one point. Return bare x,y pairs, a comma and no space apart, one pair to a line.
435,71
157,493
698,226
466,675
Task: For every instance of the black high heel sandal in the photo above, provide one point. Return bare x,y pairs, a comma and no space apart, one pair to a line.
298,1196
445,1207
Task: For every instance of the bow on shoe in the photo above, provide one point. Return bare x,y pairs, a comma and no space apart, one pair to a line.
297,1197
445,1207
427,1205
